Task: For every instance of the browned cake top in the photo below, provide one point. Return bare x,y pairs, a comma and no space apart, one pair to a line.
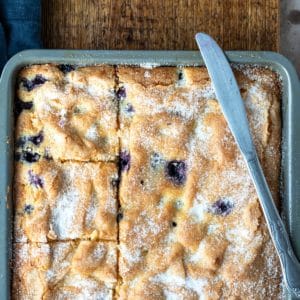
189,224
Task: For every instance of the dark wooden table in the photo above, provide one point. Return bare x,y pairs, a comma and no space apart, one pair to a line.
160,24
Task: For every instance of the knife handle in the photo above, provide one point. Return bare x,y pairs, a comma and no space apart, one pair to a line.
288,260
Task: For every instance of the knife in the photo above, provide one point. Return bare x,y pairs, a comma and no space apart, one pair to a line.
232,105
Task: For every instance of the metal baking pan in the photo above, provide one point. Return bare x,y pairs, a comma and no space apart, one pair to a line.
290,172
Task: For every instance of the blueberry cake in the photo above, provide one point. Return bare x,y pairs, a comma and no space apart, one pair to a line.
58,201
66,114
192,225
129,185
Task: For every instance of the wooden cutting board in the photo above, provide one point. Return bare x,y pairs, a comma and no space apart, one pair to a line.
159,24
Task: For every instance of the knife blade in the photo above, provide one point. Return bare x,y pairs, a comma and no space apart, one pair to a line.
226,89
232,105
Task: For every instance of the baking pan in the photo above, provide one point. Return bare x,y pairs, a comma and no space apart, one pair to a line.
290,171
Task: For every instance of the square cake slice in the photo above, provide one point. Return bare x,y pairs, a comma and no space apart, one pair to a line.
66,115
192,224
196,252
65,201
65,270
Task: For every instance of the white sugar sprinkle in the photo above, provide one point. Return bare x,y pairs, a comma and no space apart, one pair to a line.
92,134
131,256
172,296
170,280
198,255
64,214
88,289
91,210
199,208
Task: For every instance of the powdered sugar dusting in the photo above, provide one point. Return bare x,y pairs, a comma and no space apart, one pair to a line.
92,133
182,109
239,184
131,256
168,278
243,249
26,251
172,296
60,265
198,255
147,74
86,288
64,214
199,139
199,208
99,252
110,205
79,201
257,106
254,73
197,285
173,281
223,174
68,204
143,227
170,131
171,238
91,211
212,228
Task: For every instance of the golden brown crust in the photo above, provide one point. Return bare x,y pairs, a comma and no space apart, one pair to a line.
201,233
64,270
190,225
139,76
76,112
65,201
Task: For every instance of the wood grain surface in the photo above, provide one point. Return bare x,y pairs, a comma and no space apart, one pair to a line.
159,24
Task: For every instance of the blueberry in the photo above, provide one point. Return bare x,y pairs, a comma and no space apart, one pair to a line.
37,139
180,75
176,171
156,160
35,180
119,216
30,157
124,161
21,105
29,85
21,141
121,93
66,68
174,224
129,109
28,209
222,207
